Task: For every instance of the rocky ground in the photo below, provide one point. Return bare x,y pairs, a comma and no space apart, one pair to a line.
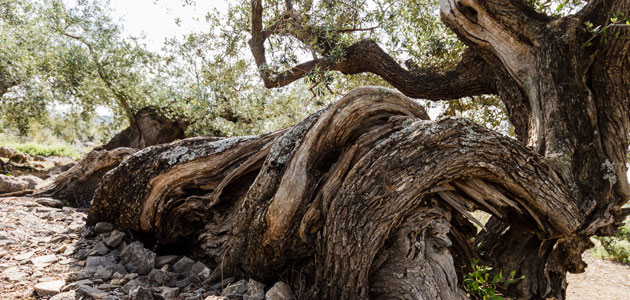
47,253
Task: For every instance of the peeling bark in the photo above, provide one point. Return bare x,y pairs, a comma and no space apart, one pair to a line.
363,197
77,185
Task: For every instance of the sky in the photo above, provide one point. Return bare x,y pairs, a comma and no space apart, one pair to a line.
156,18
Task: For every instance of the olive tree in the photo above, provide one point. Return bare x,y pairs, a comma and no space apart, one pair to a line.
369,198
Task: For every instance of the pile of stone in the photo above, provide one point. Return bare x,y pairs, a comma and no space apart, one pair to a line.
46,251
36,245
114,267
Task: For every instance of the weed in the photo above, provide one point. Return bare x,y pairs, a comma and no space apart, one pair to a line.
616,247
480,285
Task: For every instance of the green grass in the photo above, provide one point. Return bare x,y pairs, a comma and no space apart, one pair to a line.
34,148
43,147
616,248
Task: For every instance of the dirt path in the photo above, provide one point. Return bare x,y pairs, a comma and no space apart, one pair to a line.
603,280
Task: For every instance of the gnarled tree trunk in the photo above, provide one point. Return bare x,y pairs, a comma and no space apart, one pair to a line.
577,111
371,199
77,185
368,198
149,126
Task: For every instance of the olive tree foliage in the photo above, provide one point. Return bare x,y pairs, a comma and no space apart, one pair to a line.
210,77
76,57
20,68
80,57
306,40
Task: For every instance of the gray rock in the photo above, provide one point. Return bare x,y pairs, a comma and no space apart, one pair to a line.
117,269
82,274
198,267
103,227
255,290
223,283
39,158
279,291
49,288
132,284
102,273
163,260
99,261
118,281
140,293
205,273
159,277
9,184
235,289
69,295
114,238
137,259
168,293
33,181
50,202
13,274
108,287
184,264
214,297
100,249
92,292
77,283
189,278
44,261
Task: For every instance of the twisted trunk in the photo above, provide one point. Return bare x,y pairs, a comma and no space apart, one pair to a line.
577,103
367,198
77,185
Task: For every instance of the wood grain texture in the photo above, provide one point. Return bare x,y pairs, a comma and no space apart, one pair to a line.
364,196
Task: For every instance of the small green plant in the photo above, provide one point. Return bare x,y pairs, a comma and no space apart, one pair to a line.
616,247
480,284
35,148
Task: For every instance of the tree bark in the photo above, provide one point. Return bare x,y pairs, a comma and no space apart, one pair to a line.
150,127
370,199
77,185
362,198
577,103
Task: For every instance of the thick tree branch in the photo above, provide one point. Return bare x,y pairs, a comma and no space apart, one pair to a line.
471,77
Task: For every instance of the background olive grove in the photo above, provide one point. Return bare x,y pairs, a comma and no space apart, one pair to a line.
58,63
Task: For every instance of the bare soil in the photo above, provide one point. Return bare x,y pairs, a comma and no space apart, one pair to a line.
603,280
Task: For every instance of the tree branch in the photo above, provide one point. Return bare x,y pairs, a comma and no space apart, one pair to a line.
122,99
471,77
